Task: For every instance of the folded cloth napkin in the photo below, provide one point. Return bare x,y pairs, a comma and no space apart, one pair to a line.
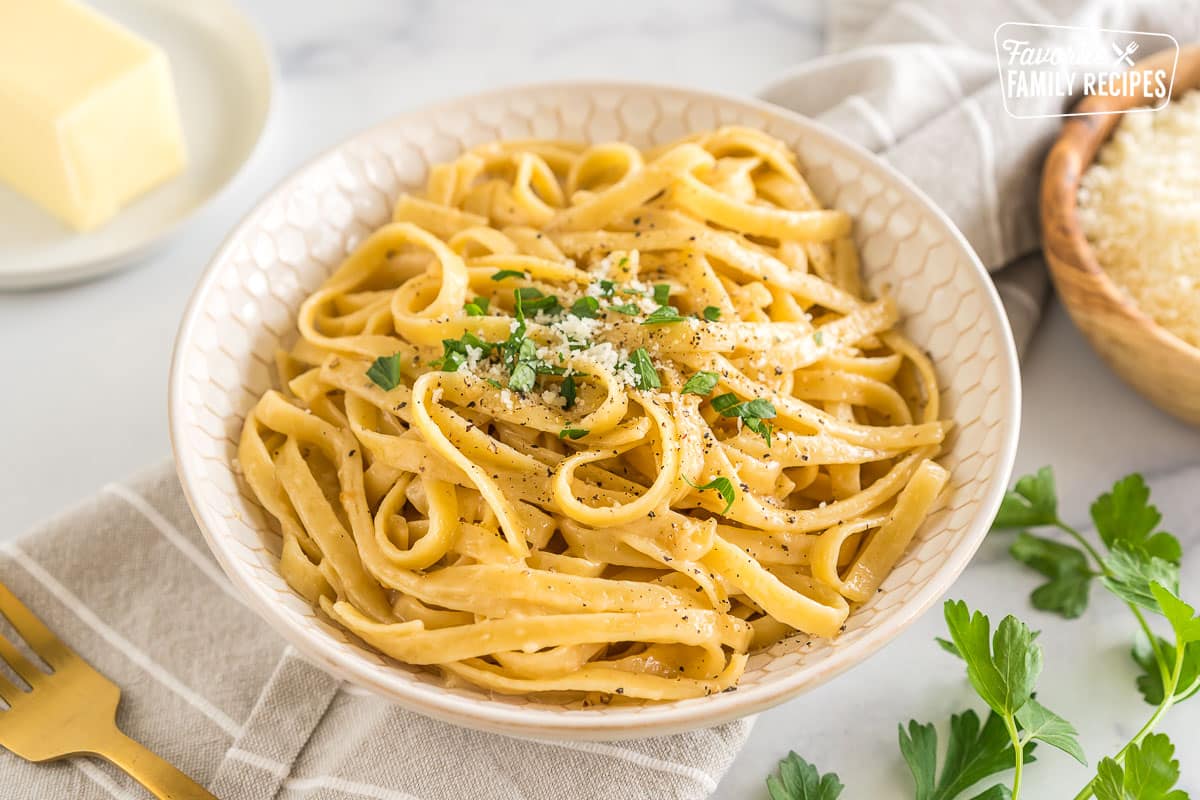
916,82
127,581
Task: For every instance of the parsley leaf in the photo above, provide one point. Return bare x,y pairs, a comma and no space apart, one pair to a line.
662,292
1150,682
477,307
663,315
567,390
723,402
606,288
723,486
628,309
522,377
972,754
1125,515
702,383
1042,724
800,780
573,433
385,372
1131,571
1032,501
507,273
1182,616
1149,773
454,351
752,412
711,313
1004,668
647,376
1066,592
585,308
533,301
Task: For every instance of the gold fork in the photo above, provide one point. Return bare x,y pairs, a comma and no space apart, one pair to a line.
72,711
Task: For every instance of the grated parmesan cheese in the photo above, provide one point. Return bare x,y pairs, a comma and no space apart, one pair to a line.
1139,206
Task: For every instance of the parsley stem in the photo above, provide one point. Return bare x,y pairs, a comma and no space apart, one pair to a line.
1170,686
1086,545
1018,754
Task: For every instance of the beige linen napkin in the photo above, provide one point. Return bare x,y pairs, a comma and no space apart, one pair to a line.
126,580
917,82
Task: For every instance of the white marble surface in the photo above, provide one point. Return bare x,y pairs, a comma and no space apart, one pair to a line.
83,394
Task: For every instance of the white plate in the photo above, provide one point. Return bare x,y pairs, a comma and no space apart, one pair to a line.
245,307
224,77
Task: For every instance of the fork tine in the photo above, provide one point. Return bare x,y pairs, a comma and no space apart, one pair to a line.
39,638
8,691
19,663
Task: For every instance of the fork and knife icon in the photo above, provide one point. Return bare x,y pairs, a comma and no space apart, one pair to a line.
1123,56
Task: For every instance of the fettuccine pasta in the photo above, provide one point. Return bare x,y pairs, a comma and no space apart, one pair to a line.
592,423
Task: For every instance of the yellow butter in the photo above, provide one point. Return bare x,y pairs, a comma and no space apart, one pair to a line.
88,111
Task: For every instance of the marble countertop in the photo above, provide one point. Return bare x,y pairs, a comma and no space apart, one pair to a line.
84,393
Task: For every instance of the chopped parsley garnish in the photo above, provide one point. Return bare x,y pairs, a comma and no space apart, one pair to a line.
494,382
585,308
662,292
573,433
607,288
663,315
722,486
702,383
477,307
752,412
711,313
454,351
628,309
508,273
385,372
519,354
647,376
532,301
522,377
567,390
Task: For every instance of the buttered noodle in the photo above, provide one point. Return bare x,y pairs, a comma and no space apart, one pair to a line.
597,422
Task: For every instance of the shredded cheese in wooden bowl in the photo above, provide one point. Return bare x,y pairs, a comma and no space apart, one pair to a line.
1139,205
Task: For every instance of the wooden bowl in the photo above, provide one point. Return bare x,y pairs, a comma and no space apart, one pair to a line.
1160,365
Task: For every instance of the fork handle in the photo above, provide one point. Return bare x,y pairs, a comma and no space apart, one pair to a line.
143,765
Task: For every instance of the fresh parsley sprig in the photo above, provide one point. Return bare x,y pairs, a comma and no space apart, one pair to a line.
1136,562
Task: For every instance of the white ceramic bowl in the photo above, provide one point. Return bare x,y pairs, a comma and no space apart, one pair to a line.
246,302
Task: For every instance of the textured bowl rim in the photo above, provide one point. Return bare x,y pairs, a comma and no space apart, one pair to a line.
666,718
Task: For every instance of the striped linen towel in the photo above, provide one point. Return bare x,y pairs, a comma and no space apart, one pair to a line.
916,82
127,581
